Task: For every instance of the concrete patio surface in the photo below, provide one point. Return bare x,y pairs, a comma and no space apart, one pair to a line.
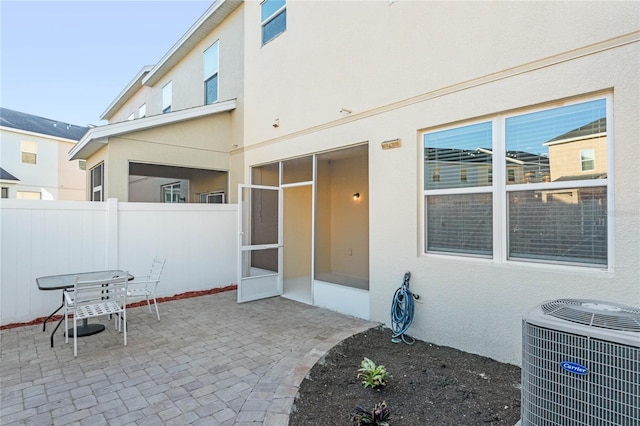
209,361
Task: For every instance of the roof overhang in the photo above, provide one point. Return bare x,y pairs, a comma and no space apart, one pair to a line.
151,74
127,93
214,16
97,137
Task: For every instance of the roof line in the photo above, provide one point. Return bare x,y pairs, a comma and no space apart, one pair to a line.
40,135
90,142
217,4
126,92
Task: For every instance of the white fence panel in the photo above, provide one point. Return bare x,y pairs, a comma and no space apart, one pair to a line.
199,242
39,238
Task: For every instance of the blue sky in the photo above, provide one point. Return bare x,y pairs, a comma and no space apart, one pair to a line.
68,60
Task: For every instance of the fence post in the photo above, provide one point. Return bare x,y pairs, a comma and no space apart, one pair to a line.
112,234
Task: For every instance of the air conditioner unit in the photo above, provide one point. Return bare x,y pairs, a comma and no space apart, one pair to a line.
581,364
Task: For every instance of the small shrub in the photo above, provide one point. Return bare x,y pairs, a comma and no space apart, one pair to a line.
372,375
379,416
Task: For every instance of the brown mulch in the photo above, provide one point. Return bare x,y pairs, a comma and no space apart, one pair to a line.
185,295
427,385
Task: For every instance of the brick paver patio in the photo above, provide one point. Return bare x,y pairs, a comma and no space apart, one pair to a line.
209,361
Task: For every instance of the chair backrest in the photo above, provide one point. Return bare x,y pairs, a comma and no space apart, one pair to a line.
89,292
156,269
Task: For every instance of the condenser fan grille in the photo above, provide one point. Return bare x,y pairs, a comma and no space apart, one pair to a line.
594,313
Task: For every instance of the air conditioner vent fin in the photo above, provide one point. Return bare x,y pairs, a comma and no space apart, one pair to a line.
594,313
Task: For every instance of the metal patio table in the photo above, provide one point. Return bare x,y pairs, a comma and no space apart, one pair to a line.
67,281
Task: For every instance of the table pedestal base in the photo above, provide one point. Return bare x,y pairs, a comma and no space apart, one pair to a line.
87,330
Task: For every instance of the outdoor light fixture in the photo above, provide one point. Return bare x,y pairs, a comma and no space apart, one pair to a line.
356,195
393,143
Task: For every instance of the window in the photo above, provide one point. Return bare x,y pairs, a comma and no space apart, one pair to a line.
274,19
212,198
28,195
211,65
171,193
166,97
142,111
97,178
588,159
5,192
131,116
555,213
29,151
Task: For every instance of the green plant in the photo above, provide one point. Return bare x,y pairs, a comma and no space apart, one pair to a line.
379,416
372,375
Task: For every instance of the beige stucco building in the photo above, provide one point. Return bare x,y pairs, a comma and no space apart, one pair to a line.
343,112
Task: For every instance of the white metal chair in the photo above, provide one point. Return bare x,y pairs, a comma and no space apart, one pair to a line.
146,286
96,298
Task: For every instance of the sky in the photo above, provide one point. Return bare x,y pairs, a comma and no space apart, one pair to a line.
69,60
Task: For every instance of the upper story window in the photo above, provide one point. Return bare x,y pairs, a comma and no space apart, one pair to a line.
534,202
142,111
166,97
211,67
131,116
97,178
274,19
29,151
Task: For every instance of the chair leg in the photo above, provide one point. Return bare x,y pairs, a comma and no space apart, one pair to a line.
155,303
75,336
148,304
124,320
66,327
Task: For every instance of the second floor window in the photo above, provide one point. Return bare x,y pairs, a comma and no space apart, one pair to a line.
29,151
166,97
142,111
273,19
211,66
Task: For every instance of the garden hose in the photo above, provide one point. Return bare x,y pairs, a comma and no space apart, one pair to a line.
402,312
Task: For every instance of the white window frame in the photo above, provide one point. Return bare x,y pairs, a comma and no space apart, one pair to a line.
209,197
97,191
175,190
167,90
500,190
28,152
591,158
211,60
265,20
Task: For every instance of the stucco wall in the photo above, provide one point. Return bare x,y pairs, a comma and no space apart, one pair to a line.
410,66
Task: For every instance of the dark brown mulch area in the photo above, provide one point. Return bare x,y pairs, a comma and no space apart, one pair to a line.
427,385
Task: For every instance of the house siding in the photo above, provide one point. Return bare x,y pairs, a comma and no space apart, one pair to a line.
402,68
436,64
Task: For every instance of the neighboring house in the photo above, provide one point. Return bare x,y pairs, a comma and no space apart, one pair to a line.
34,158
369,132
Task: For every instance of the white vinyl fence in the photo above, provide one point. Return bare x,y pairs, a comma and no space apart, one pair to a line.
40,238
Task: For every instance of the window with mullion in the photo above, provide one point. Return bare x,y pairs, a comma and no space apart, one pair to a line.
458,177
273,19
553,187
557,207
211,68
97,177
